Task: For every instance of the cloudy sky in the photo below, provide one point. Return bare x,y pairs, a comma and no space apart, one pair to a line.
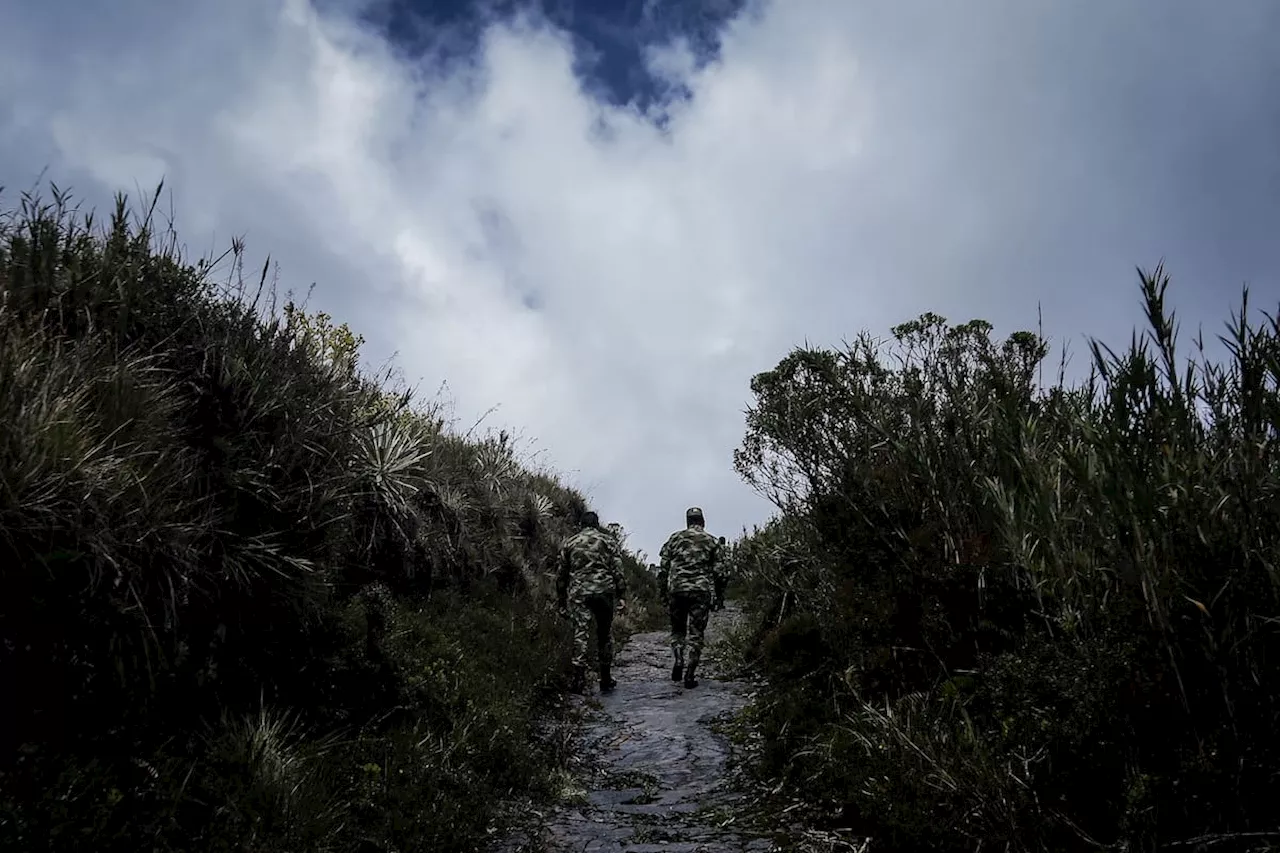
604,216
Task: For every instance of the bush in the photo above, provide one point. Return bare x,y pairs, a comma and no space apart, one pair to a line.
252,598
992,613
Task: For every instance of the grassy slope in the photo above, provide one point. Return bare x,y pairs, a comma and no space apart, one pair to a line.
250,598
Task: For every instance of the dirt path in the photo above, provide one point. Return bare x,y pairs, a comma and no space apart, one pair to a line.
658,776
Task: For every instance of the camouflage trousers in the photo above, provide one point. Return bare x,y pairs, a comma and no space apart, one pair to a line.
689,614
581,611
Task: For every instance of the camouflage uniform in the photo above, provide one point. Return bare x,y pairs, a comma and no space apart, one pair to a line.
590,583
722,576
688,577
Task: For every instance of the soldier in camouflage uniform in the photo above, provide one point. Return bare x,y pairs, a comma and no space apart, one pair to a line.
687,577
590,583
722,576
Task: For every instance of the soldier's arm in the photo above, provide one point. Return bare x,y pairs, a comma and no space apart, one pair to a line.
664,568
615,569
562,578
713,559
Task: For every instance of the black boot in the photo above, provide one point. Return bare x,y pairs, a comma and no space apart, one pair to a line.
690,681
606,680
677,669
578,683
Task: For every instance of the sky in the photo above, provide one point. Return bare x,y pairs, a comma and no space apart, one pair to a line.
602,218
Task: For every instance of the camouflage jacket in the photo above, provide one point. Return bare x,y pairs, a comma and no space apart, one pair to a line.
690,562
590,564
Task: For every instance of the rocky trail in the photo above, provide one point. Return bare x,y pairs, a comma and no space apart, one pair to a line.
657,770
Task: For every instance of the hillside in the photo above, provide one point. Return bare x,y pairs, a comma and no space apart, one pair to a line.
255,598
251,597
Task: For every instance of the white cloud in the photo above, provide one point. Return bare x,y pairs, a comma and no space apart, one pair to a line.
822,178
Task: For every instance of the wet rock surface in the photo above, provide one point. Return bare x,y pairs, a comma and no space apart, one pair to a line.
657,771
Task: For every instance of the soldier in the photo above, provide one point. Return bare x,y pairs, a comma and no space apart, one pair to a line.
590,581
687,578
722,576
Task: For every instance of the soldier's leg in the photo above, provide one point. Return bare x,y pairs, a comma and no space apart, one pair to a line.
699,612
581,617
602,608
678,609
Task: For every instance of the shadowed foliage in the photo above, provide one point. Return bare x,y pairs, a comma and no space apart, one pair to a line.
251,598
994,613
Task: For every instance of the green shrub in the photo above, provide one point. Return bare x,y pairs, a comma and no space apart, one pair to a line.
997,614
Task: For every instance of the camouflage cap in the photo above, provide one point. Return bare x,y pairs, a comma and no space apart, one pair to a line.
692,514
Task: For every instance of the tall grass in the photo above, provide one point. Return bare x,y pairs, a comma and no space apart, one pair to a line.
251,597
1001,614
